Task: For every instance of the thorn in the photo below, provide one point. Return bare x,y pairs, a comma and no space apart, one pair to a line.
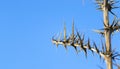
92,52
59,36
68,40
100,57
99,32
83,37
65,46
112,12
85,51
73,30
81,43
116,55
113,23
79,37
115,7
64,32
75,37
57,45
109,6
55,41
75,49
103,49
96,48
89,47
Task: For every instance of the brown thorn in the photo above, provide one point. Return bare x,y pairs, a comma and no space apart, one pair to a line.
103,49
65,46
64,32
96,47
113,23
88,44
75,49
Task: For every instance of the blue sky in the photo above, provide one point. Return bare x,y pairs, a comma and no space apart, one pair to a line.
27,26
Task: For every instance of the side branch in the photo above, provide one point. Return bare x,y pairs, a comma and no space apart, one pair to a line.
82,47
77,40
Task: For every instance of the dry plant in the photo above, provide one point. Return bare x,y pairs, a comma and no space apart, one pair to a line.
77,40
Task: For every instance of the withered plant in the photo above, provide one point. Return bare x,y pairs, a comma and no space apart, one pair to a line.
77,40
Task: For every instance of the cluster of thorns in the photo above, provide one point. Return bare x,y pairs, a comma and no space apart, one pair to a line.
110,5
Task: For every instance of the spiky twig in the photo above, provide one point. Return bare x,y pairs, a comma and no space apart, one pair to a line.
110,5
76,40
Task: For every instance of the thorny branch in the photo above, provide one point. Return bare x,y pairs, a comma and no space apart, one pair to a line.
78,41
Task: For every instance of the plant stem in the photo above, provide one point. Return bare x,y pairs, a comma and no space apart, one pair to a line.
107,35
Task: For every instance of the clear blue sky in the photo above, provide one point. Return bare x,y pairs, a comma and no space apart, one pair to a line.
27,26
